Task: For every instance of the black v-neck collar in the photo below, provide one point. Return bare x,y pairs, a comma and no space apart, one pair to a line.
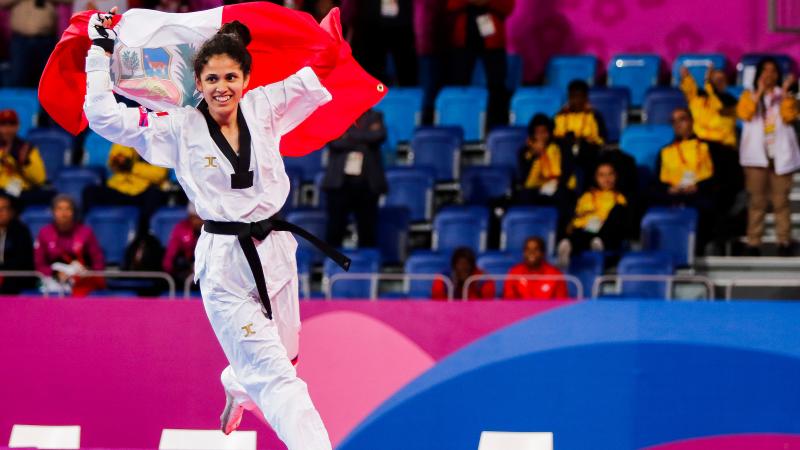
242,176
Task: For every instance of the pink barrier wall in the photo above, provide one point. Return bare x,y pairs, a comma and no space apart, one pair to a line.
539,29
124,369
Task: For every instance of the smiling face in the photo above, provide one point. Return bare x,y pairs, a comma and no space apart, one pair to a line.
222,82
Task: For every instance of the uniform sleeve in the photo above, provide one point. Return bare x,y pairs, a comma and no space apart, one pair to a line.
488,290
705,167
292,100
95,252
689,88
510,287
789,109
438,290
34,171
172,250
561,291
746,108
40,257
154,136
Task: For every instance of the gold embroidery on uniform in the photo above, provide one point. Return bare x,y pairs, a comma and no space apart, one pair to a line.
248,330
210,162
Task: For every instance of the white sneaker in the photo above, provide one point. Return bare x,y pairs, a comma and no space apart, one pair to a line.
596,245
231,416
564,250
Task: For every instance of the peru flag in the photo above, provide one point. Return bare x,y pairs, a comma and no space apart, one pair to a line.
152,65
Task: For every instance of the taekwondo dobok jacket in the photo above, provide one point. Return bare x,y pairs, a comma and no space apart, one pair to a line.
180,139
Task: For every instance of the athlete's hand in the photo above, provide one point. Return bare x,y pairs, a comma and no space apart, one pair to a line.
101,30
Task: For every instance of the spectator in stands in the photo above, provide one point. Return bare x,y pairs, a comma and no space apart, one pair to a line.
432,43
134,182
547,288
714,112
713,108
547,170
580,128
769,153
379,28
33,37
16,248
354,180
179,257
463,266
477,30
685,170
22,173
602,219
65,248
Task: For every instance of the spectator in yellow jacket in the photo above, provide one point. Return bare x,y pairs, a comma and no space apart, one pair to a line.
580,130
133,182
22,171
685,170
601,218
712,108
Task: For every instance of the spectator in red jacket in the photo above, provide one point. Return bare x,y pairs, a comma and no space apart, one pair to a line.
534,264
477,30
462,266
70,243
179,257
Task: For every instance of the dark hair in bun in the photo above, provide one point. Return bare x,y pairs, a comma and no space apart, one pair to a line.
232,40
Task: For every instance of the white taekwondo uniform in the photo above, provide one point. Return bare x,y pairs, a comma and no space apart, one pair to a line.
259,350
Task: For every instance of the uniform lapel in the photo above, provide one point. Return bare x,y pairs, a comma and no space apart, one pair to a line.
242,176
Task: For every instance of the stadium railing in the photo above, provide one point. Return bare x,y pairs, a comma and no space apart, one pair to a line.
569,279
670,281
374,278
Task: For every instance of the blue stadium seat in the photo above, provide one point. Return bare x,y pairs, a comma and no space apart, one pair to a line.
659,102
412,188
497,263
637,72
645,263
671,230
480,184
460,226
114,227
95,151
365,260
164,220
73,180
521,222
309,165
393,224
425,262
563,69
644,142
746,68
55,147
586,266
438,148
735,91
25,102
529,101
612,104
313,220
503,144
402,113
36,217
295,175
464,107
698,64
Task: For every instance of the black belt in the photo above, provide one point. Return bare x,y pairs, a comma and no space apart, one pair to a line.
245,232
